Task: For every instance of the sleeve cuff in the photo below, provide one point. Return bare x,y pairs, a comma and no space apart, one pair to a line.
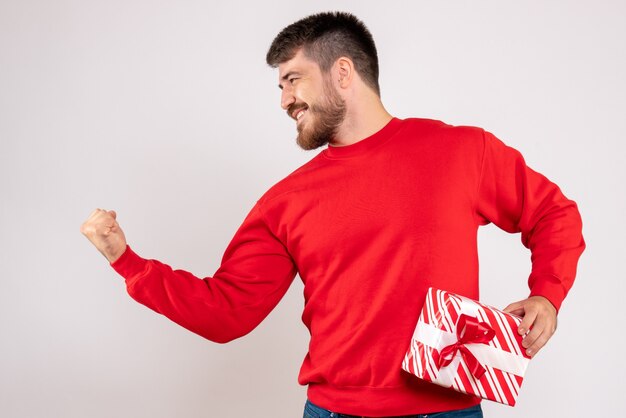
129,265
548,286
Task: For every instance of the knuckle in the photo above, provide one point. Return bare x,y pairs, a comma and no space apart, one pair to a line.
532,335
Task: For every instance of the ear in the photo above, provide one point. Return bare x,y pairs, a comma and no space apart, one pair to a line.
344,71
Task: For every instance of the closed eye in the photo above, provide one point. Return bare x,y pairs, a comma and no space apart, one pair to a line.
290,81
290,77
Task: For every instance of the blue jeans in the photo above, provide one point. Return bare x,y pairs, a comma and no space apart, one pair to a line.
313,411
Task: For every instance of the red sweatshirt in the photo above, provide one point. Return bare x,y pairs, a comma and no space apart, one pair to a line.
368,228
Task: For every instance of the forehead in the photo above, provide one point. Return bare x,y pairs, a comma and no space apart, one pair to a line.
300,64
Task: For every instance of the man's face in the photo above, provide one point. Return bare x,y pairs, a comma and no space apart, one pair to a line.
310,98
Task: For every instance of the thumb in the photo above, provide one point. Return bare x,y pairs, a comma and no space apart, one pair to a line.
113,214
516,308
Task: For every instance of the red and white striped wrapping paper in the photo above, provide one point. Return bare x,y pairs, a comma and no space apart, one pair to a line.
503,357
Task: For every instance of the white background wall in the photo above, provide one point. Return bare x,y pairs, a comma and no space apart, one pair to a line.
166,112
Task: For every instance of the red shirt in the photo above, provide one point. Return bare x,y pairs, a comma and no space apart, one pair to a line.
368,228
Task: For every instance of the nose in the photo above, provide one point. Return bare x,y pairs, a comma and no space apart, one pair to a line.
286,98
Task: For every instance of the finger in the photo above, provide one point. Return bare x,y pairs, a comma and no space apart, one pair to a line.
527,321
542,330
113,229
103,217
532,335
101,223
87,227
94,214
108,225
519,309
539,342
516,308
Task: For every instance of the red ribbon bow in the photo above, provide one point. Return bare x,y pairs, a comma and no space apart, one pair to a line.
468,330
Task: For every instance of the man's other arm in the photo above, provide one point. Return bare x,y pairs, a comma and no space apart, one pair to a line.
518,199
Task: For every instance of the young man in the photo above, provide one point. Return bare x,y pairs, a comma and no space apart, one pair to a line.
388,209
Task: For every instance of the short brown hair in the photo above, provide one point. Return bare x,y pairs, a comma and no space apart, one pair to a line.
325,37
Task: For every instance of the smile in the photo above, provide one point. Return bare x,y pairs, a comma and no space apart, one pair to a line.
297,115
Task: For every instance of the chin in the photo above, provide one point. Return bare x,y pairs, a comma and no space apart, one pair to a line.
309,144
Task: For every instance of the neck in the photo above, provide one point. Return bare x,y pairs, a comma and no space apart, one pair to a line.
365,117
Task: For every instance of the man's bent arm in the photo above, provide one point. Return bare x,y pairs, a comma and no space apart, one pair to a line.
256,272
518,199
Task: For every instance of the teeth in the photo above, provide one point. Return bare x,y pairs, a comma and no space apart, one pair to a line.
299,115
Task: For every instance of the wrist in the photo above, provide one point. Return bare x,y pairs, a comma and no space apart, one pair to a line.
114,255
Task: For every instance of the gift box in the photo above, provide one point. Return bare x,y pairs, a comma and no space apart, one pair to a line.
469,347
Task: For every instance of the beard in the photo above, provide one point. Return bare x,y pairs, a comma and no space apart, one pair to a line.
324,119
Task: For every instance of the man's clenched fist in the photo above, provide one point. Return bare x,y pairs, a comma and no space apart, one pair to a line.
105,233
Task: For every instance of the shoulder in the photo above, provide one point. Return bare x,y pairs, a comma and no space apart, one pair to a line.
299,179
440,134
438,127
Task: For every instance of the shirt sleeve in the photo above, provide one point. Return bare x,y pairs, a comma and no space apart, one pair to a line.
255,273
517,199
